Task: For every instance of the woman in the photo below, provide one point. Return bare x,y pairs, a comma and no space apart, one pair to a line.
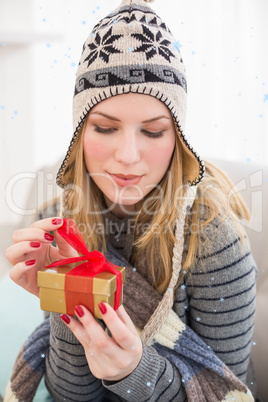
138,193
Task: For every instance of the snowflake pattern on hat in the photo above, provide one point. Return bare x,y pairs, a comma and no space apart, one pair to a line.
102,47
153,44
132,50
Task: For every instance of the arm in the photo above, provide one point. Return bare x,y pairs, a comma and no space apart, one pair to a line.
156,378
67,371
156,375
128,369
179,366
156,371
64,359
221,292
228,273
179,362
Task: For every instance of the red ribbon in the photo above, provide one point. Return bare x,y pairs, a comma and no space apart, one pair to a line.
94,262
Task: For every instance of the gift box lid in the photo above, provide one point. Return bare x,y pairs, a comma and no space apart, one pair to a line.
55,278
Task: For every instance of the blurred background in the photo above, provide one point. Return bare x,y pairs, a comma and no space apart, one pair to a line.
224,48
223,45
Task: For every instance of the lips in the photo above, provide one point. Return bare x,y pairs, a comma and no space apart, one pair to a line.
126,180
125,176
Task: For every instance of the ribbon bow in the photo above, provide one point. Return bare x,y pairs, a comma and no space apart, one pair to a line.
94,261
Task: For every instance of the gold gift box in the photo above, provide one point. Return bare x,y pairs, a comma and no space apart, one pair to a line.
55,298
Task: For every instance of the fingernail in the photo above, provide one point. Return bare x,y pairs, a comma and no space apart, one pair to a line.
65,318
29,263
79,311
49,237
102,308
35,244
57,221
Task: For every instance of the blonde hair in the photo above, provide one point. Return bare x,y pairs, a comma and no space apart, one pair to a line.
157,212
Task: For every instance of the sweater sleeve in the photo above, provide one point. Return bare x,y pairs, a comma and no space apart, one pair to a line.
68,376
155,379
221,295
218,297
179,366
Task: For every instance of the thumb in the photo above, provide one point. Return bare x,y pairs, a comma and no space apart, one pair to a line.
64,248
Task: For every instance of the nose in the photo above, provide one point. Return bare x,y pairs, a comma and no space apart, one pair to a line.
127,148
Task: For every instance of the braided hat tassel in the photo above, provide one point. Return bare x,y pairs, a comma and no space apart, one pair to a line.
161,313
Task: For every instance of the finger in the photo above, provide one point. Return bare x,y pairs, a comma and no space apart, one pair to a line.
95,349
119,329
22,251
96,333
65,248
19,272
48,224
123,315
77,329
52,224
32,234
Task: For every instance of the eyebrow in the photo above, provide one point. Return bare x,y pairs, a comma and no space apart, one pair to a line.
145,121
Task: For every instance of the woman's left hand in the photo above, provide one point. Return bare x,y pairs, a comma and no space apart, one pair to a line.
109,358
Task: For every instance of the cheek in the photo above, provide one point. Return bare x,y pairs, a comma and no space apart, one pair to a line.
94,152
161,155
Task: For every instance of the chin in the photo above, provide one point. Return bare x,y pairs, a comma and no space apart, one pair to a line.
127,200
130,202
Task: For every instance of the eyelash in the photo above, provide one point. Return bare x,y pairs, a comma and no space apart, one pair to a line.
147,133
103,130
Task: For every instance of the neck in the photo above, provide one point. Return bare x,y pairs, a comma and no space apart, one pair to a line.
121,211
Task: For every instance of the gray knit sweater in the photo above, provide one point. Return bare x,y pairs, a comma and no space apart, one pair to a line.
216,300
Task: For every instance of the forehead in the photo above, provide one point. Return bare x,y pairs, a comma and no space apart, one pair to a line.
132,103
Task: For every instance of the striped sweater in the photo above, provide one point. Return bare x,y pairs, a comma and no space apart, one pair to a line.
214,308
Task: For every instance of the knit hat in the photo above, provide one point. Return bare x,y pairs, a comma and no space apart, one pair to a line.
132,50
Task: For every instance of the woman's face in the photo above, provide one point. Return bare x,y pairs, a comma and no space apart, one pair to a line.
128,144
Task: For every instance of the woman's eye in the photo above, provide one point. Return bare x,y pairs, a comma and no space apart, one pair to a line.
103,130
151,134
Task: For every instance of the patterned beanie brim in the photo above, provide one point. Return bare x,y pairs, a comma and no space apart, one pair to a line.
132,50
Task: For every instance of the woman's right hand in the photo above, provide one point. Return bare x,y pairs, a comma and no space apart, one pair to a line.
32,250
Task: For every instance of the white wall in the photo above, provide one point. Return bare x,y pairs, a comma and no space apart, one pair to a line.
222,44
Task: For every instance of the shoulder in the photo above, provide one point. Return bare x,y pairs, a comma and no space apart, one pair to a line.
218,234
214,233
222,251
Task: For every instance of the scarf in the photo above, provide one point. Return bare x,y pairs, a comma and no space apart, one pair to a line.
205,376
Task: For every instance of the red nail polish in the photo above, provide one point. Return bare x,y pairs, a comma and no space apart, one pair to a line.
49,237
35,244
65,318
57,221
29,263
79,311
102,308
